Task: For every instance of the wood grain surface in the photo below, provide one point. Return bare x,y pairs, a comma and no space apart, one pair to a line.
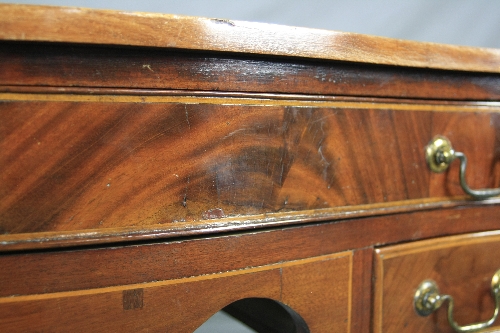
49,271
318,289
88,26
44,65
462,267
154,146
125,162
362,299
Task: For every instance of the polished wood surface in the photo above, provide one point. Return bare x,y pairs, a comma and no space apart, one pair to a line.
59,24
36,272
112,162
462,267
155,169
59,239
45,66
362,299
318,289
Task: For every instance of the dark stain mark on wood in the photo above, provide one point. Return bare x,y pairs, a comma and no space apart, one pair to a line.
133,299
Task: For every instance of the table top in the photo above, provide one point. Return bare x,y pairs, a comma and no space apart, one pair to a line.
89,26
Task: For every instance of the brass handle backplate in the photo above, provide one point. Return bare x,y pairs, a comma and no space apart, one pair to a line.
427,300
439,154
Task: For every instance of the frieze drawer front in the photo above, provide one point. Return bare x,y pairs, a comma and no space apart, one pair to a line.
80,163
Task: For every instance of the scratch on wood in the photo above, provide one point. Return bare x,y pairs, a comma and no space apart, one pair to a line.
216,213
187,116
184,199
325,163
224,21
148,67
235,132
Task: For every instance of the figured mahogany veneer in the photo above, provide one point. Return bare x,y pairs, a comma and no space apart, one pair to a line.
91,165
155,169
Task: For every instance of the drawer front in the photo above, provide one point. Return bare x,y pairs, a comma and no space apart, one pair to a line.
318,289
74,162
461,266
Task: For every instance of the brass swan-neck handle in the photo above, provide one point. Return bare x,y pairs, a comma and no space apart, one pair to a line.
439,154
427,300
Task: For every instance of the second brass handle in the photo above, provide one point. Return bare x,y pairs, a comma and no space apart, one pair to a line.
439,154
427,300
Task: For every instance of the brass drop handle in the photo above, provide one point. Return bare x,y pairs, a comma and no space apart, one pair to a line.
439,154
427,300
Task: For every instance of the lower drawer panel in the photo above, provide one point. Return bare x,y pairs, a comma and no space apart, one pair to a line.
462,266
317,288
